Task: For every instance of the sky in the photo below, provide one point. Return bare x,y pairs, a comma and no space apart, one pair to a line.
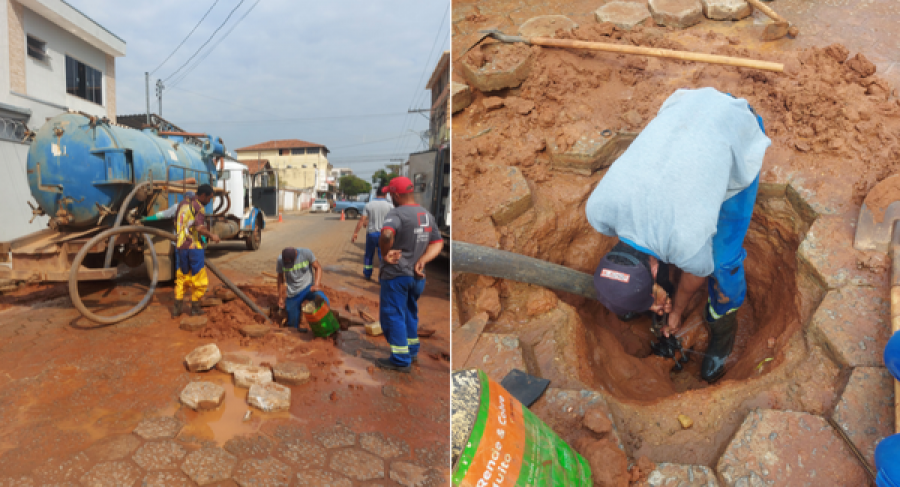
341,73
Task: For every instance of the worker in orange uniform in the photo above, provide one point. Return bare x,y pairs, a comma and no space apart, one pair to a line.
190,223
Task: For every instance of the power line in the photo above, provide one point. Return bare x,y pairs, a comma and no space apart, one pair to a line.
186,38
207,41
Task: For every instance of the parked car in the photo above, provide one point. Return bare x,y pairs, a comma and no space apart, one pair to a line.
320,205
351,209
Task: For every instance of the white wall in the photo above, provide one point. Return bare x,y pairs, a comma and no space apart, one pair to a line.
15,195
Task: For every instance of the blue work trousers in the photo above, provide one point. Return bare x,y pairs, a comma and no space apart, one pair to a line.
292,305
371,247
399,315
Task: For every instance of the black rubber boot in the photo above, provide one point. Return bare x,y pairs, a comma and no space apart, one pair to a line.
196,310
721,340
177,309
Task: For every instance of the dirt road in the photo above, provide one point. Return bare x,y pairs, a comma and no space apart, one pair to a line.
72,394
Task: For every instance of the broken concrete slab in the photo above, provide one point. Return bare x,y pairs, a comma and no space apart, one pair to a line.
461,95
785,447
159,455
158,428
852,324
255,330
465,338
373,329
248,376
233,361
270,397
209,465
678,14
357,465
262,472
726,9
675,475
112,474
497,355
590,153
496,66
194,323
384,447
866,409
546,26
624,15
290,373
203,358
202,395
409,475
516,193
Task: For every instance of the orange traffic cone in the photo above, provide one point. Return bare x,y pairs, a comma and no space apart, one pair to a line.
342,215
279,218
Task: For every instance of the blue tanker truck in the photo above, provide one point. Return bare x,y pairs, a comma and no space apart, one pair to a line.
89,175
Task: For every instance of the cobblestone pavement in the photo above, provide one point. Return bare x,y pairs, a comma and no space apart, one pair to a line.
82,404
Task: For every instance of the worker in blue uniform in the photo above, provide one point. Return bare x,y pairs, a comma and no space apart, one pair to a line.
372,220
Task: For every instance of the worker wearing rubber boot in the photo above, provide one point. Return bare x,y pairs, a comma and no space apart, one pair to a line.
372,219
190,224
409,240
300,274
682,195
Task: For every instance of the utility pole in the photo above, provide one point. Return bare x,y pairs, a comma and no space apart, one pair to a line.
147,83
159,91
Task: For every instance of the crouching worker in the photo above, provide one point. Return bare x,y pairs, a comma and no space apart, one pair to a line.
301,272
190,224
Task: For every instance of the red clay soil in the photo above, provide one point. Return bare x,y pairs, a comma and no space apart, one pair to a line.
882,195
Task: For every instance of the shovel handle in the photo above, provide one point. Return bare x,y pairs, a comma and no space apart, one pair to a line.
766,10
662,53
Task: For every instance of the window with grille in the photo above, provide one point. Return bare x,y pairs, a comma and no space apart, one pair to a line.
84,81
37,48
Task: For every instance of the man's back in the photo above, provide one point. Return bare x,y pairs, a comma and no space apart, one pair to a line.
376,210
415,228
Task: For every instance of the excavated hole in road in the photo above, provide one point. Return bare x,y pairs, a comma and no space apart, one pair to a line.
619,355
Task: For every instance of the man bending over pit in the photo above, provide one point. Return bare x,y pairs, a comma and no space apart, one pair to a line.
299,269
682,195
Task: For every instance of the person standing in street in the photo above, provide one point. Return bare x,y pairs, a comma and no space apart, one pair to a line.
299,269
372,219
190,223
409,240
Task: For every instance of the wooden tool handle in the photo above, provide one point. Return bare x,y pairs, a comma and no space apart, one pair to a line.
766,10
663,53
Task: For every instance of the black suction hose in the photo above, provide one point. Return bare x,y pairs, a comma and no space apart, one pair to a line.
476,259
122,209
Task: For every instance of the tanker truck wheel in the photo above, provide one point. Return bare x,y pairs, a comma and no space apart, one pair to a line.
255,238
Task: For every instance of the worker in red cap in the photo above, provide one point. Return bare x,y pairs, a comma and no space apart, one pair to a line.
682,197
372,219
409,240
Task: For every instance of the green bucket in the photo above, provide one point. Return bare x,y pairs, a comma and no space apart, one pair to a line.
498,442
322,322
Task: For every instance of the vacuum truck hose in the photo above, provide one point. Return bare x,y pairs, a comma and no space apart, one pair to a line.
111,233
123,208
486,261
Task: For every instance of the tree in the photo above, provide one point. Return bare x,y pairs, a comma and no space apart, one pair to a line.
352,185
382,178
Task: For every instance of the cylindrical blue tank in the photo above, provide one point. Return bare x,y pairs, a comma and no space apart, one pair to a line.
76,166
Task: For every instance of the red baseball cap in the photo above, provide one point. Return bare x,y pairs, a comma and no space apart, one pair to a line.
399,185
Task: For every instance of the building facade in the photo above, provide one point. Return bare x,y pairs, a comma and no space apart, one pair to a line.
300,164
439,120
53,59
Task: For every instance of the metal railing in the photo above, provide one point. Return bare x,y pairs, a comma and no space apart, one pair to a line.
13,130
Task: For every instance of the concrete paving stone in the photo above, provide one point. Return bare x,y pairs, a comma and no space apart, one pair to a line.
158,428
357,464
565,412
409,475
336,436
286,430
111,474
784,448
24,481
209,465
674,475
828,249
464,340
269,397
491,76
248,376
624,15
852,323
266,472
114,447
678,14
590,153
202,395
59,470
233,361
321,478
258,446
516,194
726,9
166,479
301,454
546,26
290,373
255,331
193,323
210,302
384,447
497,355
159,455
866,408
461,95
203,358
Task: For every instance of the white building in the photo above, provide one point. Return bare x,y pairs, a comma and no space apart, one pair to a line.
53,59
